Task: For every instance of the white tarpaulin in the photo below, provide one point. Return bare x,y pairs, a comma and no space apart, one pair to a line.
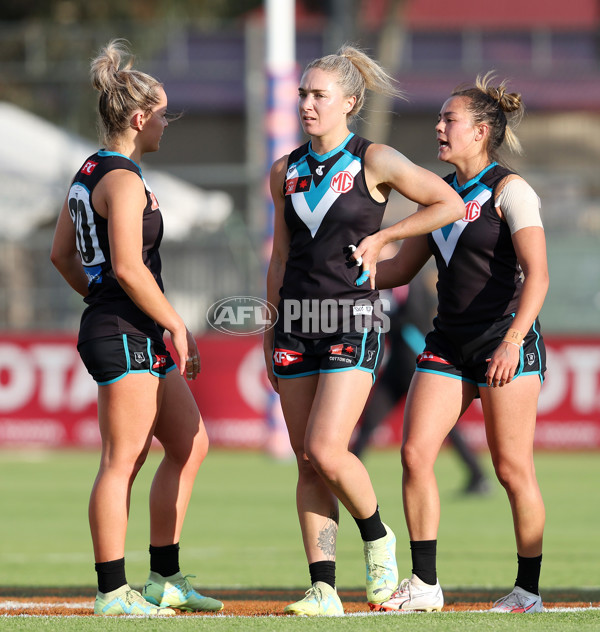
39,159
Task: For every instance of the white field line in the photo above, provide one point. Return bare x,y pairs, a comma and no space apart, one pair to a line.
7,606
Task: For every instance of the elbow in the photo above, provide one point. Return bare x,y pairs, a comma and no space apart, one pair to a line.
460,210
58,260
125,275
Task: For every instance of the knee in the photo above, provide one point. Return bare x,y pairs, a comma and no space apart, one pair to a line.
322,459
415,460
510,475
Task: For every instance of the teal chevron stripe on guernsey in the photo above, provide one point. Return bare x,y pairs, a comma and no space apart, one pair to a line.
314,196
312,216
447,236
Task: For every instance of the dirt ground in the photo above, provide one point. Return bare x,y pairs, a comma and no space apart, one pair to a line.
250,603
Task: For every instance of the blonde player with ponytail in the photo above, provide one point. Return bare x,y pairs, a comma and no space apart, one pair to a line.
325,349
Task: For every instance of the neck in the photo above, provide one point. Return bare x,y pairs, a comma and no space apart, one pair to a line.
469,169
126,148
324,144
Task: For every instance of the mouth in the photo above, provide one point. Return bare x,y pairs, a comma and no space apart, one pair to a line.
442,143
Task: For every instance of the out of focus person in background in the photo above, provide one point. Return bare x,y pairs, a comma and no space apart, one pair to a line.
106,247
412,310
486,341
330,194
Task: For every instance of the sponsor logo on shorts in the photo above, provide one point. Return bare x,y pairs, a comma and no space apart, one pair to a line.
530,358
242,315
159,361
427,356
285,357
345,349
139,357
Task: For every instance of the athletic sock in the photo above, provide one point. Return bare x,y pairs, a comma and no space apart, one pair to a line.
111,575
371,528
164,560
322,572
423,554
528,574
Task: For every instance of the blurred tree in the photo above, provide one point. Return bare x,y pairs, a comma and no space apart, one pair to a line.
64,11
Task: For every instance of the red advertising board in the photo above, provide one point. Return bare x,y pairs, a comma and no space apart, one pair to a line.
47,398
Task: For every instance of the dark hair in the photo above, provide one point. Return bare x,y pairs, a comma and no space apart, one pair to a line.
122,89
491,105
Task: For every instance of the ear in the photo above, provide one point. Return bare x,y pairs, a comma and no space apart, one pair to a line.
350,103
138,119
481,131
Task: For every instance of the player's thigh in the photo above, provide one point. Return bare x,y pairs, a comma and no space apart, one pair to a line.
179,425
127,411
434,404
510,415
296,396
338,403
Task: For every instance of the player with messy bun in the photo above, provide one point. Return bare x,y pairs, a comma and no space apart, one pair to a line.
486,340
106,246
122,89
500,110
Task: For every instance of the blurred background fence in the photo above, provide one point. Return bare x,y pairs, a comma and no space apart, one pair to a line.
209,175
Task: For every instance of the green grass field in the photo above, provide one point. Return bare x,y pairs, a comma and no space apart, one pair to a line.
242,531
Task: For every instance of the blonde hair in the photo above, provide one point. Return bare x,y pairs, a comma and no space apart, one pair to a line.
122,89
356,73
500,110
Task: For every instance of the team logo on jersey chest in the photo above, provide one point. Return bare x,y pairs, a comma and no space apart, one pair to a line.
298,185
342,182
472,211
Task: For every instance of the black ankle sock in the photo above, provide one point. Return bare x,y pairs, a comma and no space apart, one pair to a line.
111,575
371,528
164,560
423,553
528,574
322,572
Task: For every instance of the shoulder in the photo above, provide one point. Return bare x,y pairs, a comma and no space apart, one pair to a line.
379,157
279,167
511,182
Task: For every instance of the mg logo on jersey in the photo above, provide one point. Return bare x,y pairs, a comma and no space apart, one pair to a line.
473,211
342,182
89,167
285,357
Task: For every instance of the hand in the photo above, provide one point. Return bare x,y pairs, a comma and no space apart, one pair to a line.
192,362
503,364
187,352
366,255
268,350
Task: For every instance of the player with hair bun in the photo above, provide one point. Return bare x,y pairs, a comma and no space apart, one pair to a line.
106,246
323,354
486,340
